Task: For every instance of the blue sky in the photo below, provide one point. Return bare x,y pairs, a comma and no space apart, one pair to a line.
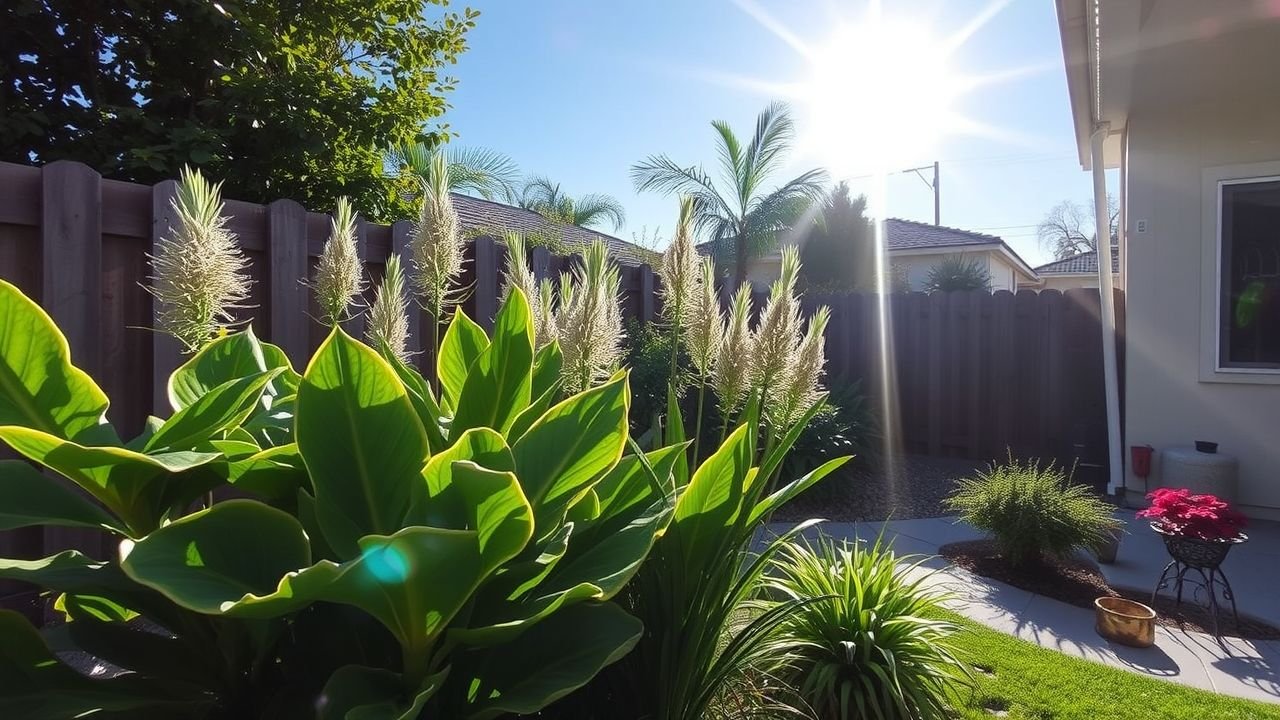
579,90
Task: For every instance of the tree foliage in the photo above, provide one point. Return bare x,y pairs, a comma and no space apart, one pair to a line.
1069,228
544,196
280,99
839,253
735,211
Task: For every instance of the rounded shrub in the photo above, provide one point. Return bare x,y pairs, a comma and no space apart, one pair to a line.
860,642
1033,511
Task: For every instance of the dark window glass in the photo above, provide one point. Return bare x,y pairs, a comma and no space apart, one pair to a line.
1249,328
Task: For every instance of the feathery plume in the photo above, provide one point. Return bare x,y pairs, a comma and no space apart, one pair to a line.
518,274
805,387
679,268
589,321
733,368
702,323
199,273
339,273
436,245
777,336
544,330
388,321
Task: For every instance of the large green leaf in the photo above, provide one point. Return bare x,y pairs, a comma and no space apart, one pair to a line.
445,505
67,571
357,692
36,685
714,498
362,442
28,497
39,387
463,343
626,491
497,388
787,492
420,395
227,358
222,407
127,482
674,435
287,382
556,656
570,446
546,368
274,474
609,563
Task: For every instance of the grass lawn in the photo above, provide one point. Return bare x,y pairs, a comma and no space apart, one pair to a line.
1031,682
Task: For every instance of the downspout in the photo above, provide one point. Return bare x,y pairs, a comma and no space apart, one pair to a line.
1111,380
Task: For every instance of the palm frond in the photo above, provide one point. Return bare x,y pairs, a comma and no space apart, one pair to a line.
772,138
729,148
485,172
595,208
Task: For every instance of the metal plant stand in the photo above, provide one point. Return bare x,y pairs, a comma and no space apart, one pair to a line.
1204,557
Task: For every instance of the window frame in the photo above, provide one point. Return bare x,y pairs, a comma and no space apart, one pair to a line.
1214,181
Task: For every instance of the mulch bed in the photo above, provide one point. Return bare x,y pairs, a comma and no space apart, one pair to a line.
1078,582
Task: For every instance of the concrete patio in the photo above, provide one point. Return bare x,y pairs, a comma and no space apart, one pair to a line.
1241,668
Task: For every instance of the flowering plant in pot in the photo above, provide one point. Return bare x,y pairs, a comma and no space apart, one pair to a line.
1198,530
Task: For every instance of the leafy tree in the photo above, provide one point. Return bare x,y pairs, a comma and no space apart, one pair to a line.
739,216
280,99
956,272
840,251
545,197
1069,228
472,170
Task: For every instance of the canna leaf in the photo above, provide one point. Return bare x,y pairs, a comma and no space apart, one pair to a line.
224,359
497,388
463,343
28,498
221,408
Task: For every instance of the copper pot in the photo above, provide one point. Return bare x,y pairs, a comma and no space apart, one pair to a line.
1125,621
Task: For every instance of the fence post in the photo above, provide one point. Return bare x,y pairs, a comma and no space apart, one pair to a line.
71,260
937,306
287,267
401,237
166,356
540,263
645,308
486,287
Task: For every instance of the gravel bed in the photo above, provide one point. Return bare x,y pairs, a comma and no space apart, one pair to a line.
914,486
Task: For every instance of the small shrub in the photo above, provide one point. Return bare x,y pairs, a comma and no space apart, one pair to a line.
956,272
1033,511
862,646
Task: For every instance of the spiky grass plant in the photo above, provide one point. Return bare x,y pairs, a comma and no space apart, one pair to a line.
589,322
339,274
1033,511
777,340
678,272
702,326
733,368
436,247
199,275
545,328
804,384
388,318
541,294
861,645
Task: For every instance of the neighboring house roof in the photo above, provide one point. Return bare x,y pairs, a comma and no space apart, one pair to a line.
1086,263
486,216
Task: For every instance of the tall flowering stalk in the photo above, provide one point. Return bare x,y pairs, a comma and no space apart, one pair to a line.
734,364
589,322
199,273
541,295
777,340
545,329
679,274
702,326
436,250
339,274
803,387
388,319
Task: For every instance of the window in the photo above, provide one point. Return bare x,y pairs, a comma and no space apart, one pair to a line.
1249,274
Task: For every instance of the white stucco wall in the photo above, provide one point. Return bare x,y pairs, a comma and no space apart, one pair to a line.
1067,282
917,267
1169,399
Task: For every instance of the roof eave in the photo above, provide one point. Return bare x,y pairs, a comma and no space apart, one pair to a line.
1073,26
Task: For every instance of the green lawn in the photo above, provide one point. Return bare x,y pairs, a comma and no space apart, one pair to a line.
1032,682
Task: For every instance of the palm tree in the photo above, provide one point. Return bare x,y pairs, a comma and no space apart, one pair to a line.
738,215
546,198
480,171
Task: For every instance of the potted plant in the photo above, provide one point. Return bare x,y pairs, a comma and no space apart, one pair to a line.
1198,530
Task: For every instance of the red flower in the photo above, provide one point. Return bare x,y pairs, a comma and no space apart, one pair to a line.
1207,517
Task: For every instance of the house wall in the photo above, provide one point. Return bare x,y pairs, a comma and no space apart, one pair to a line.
1066,282
917,267
1169,399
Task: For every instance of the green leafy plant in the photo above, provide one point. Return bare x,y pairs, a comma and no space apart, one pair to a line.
1033,511
860,643
956,273
397,552
845,425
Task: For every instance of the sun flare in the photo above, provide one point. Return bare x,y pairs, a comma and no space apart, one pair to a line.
880,95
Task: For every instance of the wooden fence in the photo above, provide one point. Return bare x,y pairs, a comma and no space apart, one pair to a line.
974,373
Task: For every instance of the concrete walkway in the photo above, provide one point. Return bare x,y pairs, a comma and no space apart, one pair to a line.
1242,668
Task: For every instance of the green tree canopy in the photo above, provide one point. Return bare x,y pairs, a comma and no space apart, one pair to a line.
281,99
840,251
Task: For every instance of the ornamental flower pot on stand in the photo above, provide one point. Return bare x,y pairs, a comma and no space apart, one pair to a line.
1198,532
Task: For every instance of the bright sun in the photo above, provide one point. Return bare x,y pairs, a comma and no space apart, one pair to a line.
879,97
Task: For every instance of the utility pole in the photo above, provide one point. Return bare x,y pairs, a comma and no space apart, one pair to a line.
935,186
